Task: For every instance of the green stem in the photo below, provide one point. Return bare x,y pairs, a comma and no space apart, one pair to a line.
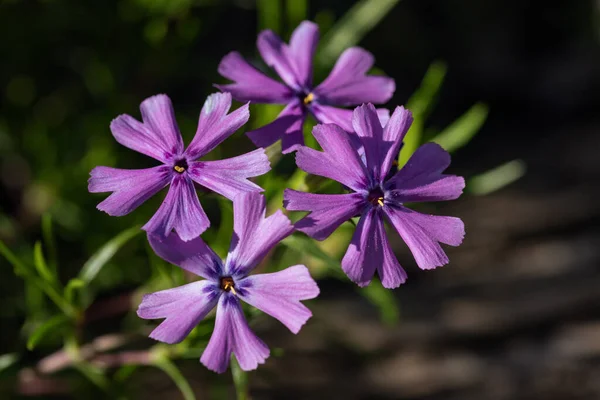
240,380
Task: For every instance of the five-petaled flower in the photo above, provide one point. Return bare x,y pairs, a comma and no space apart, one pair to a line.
158,137
346,85
377,196
277,294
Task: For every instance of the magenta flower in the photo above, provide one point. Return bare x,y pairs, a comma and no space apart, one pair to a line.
277,294
158,137
347,85
376,196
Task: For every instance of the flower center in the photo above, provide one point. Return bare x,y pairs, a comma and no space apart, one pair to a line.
376,197
227,284
308,99
180,166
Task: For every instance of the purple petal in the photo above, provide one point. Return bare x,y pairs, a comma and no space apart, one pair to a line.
279,294
333,115
180,210
215,125
277,55
130,187
367,126
348,84
183,307
421,179
233,335
303,44
339,160
193,256
393,135
370,250
287,127
328,211
251,84
229,177
423,232
158,115
254,235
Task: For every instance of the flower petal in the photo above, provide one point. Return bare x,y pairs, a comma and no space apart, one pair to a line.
422,233
193,256
229,177
367,126
348,84
421,179
251,84
303,45
254,235
158,137
180,210
287,127
158,115
233,335
333,115
130,187
215,125
279,294
277,55
183,307
339,160
328,211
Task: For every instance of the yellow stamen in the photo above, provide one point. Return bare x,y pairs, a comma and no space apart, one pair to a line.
308,99
380,201
228,285
179,169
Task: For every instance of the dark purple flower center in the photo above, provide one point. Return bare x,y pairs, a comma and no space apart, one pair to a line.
227,284
376,197
180,166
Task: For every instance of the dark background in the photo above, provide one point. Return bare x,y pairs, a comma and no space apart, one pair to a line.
516,314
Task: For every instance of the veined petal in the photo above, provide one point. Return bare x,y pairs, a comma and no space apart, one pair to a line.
277,56
158,115
339,160
180,210
183,307
333,115
422,233
254,235
348,84
370,250
130,187
367,126
251,84
287,127
233,335
421,179
229,177
215,125
279,294
328,211
393,135
193,256
134,135
303,45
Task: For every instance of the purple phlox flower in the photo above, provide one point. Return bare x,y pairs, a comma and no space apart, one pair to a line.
347,85
377,195
277,294
158,137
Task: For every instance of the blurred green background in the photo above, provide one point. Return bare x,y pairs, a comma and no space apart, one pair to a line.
510,87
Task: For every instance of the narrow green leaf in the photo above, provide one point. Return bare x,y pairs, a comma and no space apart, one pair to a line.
305,245
44,329
19,267
269,14
296,11
384,300
40,264
95,263
352,27
175,374
423,99
496,178
461,131
72,287
240,380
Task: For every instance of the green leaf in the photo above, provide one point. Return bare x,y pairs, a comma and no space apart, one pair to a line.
8,360
296,11
46,328
461,131
305,245
383,299
19,267
496,178
49,242
175,374
269,14
352,27
40,264
73,285
95,263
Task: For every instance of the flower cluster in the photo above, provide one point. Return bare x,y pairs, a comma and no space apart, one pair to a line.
360,148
